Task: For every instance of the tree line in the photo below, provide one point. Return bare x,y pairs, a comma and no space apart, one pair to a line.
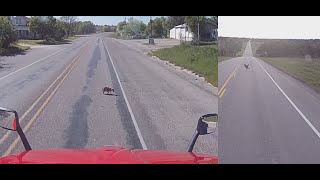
160,26
48,28
288,47
229,46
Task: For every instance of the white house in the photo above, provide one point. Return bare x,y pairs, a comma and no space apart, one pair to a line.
180,32
20,24
208,33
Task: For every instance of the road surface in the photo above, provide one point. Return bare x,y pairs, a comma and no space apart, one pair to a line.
59,89
266,116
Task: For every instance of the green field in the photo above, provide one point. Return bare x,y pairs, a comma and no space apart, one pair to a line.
299,68
203,60
31,42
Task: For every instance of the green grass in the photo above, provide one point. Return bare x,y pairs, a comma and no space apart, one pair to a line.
72,38
211,119
13,50
31,42
203,60
299,68
51,42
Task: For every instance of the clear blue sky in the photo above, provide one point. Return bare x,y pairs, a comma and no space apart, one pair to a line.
112,20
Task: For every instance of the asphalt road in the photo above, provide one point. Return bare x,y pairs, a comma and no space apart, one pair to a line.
266,116
164,104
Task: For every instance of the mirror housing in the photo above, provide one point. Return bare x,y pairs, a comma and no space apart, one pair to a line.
207,124
9,120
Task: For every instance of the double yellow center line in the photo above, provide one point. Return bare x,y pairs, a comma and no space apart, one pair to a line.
62,78
223,88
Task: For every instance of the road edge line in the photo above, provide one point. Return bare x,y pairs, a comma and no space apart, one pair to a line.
291,102
143,144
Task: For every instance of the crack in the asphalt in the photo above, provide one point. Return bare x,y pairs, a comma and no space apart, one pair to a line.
77,133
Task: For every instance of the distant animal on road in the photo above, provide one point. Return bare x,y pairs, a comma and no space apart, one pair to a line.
246,65
108,89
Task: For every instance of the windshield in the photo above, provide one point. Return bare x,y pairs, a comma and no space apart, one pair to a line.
83,82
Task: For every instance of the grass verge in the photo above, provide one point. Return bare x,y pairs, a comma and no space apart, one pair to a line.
305,71
50,42
13,50
223,58
202,60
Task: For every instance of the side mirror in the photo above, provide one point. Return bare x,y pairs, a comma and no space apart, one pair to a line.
207,124
8,119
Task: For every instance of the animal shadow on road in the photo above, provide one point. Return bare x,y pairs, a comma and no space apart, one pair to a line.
110,94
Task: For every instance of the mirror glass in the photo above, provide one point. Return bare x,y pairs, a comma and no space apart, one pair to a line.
7,120
212,122
207,124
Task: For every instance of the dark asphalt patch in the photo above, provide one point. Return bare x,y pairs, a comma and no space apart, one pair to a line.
132,138
93,64
77,133
84,88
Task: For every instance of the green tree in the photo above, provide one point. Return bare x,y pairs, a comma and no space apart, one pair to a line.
86,27
134,26
59,31
69,24
192,23
175,20
121,26
7,32
160,27
34,25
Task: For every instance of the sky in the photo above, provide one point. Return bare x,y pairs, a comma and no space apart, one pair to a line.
277,27
112,20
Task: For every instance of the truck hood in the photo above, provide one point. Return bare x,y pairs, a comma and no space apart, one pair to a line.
107,155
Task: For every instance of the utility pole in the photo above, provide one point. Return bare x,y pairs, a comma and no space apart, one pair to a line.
151,25
151,40
198,29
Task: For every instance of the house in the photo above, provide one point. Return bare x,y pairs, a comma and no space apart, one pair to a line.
20,24
181,32
208,33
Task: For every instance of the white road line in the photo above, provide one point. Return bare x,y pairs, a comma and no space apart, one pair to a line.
31,64
297,109
127,102
25,129
4,137
34,63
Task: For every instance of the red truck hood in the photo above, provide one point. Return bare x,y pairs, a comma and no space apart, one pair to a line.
107,155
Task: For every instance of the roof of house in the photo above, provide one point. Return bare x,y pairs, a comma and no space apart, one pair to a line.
180,26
